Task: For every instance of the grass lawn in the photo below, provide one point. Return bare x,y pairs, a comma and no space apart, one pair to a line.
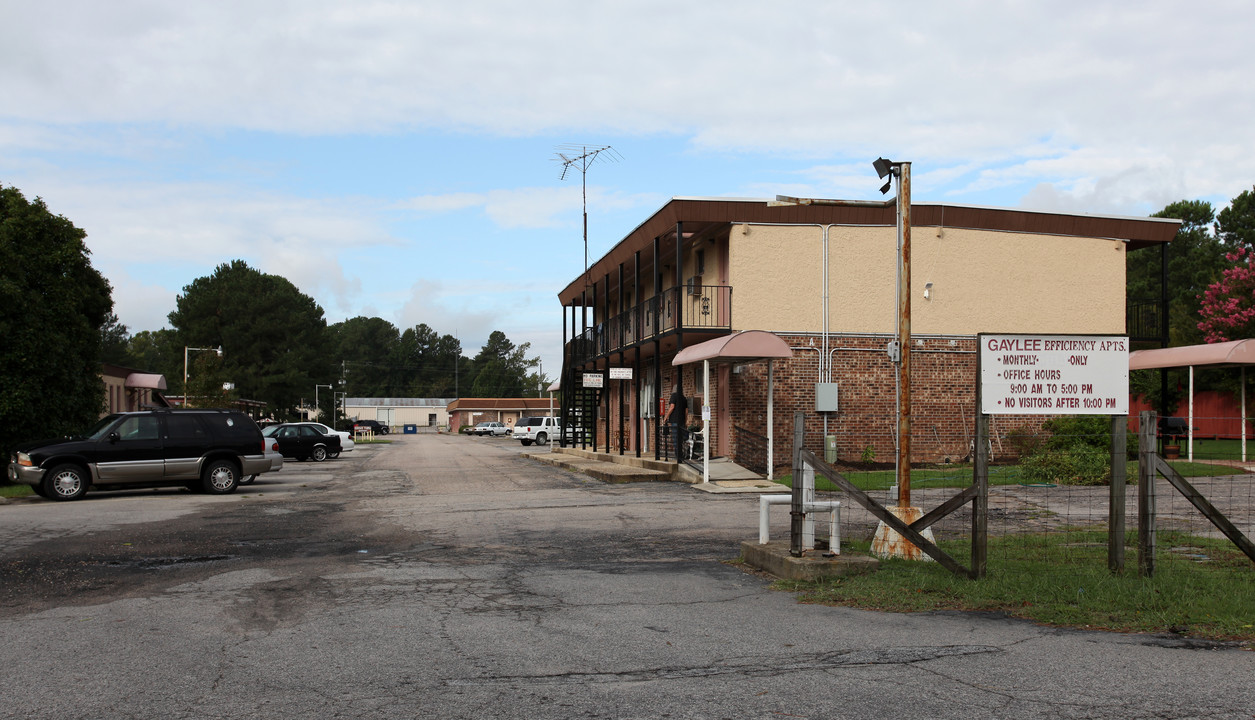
1223,449
15,491
960,475
1062,579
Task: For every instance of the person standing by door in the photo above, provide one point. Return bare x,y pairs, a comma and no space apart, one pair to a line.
677,418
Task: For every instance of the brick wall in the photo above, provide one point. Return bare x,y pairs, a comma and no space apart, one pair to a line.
943,404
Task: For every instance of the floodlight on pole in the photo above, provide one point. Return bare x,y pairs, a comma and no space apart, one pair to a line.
884,168
886,542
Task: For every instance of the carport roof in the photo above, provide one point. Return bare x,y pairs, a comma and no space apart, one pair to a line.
1235,352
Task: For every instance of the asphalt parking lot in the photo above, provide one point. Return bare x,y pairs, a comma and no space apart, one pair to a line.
450,577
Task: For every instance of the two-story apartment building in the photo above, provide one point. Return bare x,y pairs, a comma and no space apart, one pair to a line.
824,279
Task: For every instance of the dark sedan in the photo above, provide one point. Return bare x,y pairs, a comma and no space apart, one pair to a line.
303,441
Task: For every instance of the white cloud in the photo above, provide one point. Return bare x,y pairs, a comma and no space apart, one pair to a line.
140,304
1079,106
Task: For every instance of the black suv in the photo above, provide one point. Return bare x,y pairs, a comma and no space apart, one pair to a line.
202,449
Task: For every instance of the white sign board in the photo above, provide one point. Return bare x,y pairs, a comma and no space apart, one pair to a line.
620,373
592,380
1054,374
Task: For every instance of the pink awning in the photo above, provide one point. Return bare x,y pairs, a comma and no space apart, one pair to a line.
1236,352
146,380
745,346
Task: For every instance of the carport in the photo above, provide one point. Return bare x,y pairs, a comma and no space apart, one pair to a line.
1236,353
747,346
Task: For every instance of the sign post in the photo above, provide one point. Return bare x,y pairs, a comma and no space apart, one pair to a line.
1053,375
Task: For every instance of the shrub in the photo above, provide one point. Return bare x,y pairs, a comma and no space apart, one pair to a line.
1078,452
1080,465
1026,440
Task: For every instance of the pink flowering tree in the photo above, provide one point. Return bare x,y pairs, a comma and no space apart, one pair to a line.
1228,305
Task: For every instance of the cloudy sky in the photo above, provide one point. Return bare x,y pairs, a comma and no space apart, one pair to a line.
397,159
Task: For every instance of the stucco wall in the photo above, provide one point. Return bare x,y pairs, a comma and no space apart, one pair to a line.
983,281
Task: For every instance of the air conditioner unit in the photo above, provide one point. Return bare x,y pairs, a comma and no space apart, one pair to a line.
694,285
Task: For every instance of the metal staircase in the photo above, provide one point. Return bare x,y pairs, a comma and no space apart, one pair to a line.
579,409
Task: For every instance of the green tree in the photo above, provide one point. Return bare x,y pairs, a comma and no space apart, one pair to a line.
159,351
1236,224
53,304
363,349
1195,260
430,364
501,368
273,336
207,383
115,342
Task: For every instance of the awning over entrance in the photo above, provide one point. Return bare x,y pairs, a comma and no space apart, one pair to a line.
745,346
1236,352
146,380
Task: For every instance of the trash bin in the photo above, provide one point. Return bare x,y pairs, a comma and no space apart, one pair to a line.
830,449
410,429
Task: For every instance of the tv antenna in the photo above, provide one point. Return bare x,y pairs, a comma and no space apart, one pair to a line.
580,157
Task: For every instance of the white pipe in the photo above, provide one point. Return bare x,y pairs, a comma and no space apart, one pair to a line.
1189,429
1243,393
705,422
833,507
771,426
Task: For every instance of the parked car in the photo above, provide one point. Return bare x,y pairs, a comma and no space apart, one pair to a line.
370,426
537,430
304,441
346,438
491,428
210,450
272,454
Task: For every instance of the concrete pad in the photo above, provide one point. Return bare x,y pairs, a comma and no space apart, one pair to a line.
740,486
774,558
602,470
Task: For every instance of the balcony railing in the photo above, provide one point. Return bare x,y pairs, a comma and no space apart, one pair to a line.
1144,320
697,307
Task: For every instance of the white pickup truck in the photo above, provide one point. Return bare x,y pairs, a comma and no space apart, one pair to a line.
537,430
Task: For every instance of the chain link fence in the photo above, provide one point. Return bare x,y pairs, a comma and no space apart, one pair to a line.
1050,494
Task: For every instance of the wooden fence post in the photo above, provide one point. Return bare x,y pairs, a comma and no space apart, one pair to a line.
1115,511
1146,494
980,503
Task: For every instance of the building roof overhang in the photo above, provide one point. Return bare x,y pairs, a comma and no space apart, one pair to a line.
701,216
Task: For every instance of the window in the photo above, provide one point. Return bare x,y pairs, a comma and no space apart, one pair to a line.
185,427
138,427
647,397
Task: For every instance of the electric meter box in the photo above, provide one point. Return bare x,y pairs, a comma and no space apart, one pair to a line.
825,397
